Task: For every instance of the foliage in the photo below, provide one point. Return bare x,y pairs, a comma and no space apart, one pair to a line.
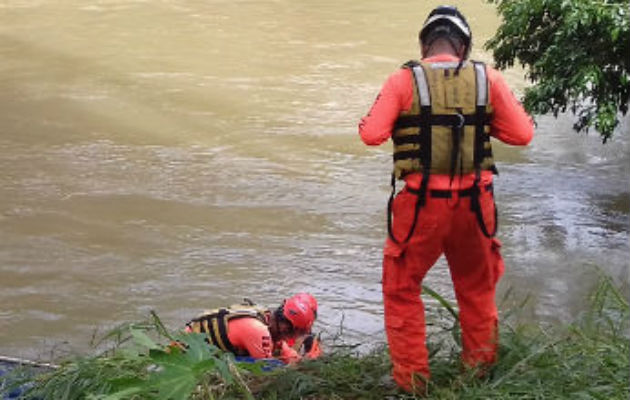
185,368
587,359
576,52
343,374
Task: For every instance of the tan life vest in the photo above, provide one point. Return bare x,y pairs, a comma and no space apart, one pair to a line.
446,131
215,323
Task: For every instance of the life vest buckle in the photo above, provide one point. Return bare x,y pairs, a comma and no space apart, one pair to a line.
460,121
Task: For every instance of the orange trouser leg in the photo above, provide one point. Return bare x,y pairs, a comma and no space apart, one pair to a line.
476,266
404,267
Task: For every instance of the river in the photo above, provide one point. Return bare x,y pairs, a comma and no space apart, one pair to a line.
181,155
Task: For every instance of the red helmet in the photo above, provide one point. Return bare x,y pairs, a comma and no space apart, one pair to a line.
308,299
300,310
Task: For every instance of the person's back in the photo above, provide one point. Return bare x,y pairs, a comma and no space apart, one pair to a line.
251,337
249,330
440,113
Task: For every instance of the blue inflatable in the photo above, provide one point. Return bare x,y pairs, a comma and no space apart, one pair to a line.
268,364
7,391
13,372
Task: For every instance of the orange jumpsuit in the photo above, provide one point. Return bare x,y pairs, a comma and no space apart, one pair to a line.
444,226
252,336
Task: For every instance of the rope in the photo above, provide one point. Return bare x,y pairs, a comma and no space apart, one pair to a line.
22,361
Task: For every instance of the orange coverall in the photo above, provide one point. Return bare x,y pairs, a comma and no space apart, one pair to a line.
444,226
252,336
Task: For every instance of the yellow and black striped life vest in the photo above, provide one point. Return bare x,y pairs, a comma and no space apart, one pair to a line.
446,131
215,323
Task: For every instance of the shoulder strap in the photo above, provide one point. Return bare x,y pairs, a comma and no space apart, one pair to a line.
424,120
424,95
480,137
481,117
219,329
482,83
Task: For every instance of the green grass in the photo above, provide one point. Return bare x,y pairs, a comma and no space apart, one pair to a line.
587,359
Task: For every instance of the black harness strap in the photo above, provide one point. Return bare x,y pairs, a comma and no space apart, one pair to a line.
414,154
448,194
390,231
457,122
425,131
424,121
408,121
222,322
425,156
206,325
475,204
207,328
480,152
402,155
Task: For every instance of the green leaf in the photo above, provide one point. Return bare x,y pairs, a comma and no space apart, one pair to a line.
143,339
173,357
174,382
173,378
122,394
126,383
197,348
445,303
575,53
224,370
203,367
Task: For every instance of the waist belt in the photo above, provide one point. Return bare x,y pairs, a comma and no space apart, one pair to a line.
447,194
475,206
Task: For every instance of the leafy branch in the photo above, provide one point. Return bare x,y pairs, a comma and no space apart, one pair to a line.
576,54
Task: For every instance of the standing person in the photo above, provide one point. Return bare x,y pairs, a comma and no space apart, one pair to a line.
440,113
258,332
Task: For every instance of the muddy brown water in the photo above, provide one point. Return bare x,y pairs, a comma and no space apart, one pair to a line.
179,155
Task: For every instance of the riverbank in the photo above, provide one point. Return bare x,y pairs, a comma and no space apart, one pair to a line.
586,359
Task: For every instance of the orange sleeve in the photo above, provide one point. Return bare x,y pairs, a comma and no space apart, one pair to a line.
395,96
252,335
510,123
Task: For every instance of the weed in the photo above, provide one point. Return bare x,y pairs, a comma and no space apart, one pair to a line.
587,359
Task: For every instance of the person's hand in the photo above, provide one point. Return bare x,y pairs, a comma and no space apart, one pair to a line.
302,342
312,349
288,354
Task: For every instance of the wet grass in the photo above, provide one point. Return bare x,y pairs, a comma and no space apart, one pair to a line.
587,359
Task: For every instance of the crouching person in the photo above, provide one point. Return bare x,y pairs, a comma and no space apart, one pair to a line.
250,330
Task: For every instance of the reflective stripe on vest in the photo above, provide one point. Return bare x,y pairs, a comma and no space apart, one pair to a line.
215,324
452,107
